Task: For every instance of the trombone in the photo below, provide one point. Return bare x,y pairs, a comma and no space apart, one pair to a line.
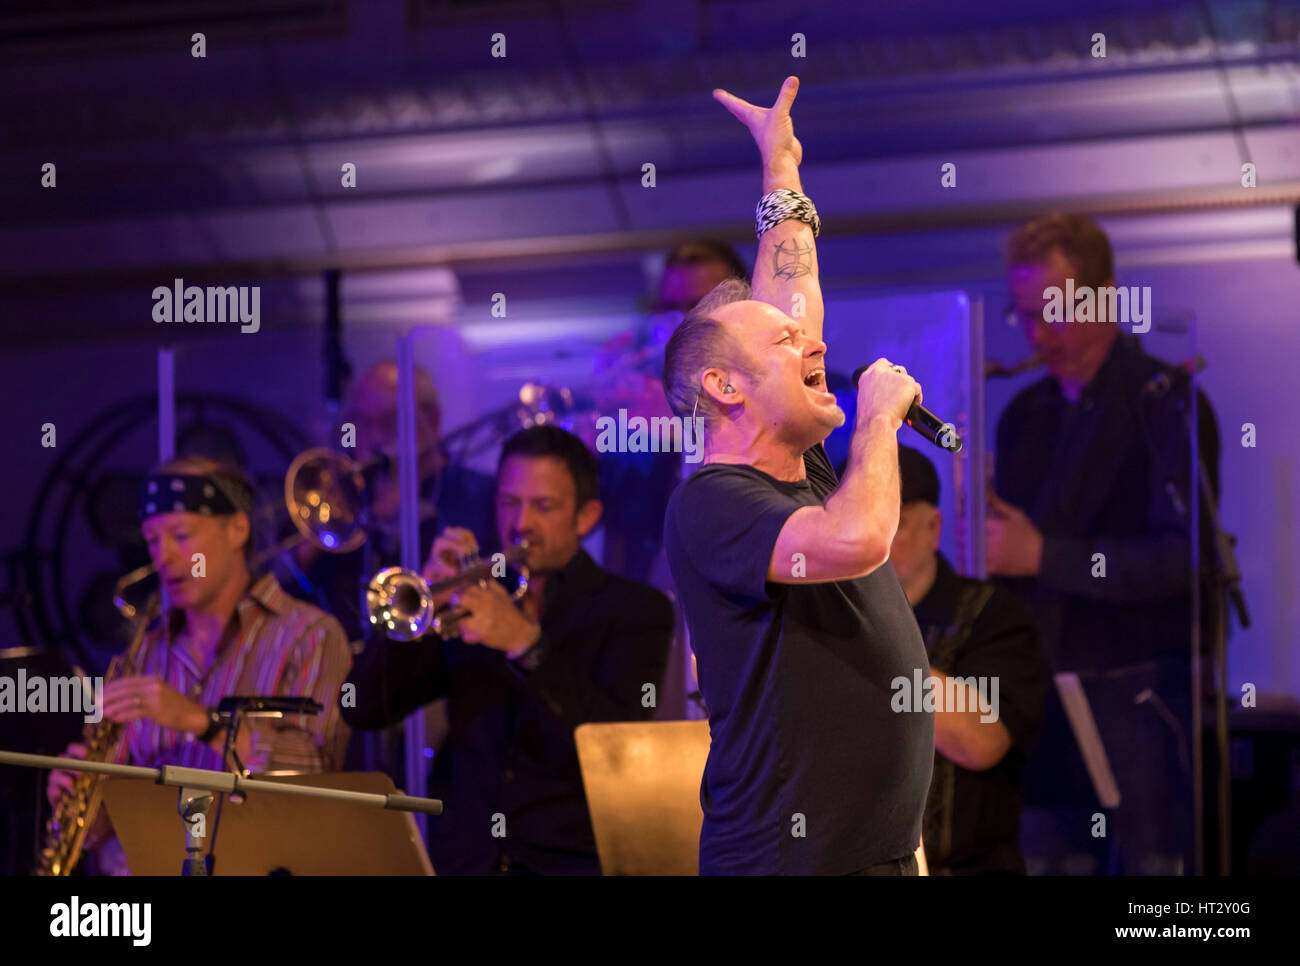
404,602
323,492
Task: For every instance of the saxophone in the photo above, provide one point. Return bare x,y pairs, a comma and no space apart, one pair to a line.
75,813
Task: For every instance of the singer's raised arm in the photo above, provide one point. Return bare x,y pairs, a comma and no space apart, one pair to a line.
785,271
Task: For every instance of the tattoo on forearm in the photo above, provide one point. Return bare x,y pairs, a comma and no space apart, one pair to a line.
792,260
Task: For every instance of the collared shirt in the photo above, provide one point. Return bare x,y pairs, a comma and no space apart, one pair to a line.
1109,475
278,646
508,771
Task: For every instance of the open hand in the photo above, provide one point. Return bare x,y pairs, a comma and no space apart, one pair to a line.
771,127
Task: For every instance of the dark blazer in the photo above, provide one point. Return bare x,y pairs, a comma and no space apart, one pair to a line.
1109,475
508,771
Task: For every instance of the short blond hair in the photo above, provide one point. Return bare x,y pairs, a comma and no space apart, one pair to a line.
1077,237
701,342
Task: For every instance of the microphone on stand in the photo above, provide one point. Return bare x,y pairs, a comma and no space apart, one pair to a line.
231,711
269,706
937,431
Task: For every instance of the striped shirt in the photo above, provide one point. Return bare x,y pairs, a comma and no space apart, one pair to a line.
279,646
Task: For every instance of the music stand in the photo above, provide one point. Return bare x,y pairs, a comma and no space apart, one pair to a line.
1084,727
278,834
643,791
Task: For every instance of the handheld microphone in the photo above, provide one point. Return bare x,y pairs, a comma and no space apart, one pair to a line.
942,434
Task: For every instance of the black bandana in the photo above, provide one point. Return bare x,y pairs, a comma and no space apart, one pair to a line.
183,493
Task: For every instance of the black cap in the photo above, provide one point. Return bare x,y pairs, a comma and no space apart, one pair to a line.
918,477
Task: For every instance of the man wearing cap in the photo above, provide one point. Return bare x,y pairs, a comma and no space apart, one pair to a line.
985,637
225,632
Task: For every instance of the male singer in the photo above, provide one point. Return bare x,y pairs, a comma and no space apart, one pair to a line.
797,618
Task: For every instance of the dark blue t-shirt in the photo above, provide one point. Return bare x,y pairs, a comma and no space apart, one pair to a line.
810,770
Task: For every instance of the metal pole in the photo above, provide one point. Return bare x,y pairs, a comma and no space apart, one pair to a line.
224,781
166,403
408,479
1198,738
975,455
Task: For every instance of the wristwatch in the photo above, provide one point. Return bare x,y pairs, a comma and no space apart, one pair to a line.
527,661
215,724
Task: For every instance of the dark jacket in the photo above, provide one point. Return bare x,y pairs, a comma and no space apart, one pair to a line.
508,771
1109,475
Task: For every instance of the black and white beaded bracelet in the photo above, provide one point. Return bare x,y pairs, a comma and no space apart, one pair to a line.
784,204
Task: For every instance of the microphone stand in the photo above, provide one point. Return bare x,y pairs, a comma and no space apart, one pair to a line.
228,752
196,786
372,740
235,709
1225,588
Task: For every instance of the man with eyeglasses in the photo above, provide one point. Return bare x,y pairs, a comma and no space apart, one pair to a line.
1091,526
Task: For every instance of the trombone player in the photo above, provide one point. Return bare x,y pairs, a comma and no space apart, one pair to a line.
225,632
448,491
581,645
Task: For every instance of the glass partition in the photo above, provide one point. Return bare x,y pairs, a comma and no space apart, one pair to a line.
937,338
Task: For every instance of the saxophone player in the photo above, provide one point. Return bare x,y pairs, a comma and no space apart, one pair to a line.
225,632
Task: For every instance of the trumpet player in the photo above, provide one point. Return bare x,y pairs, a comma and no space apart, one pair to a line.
225,632
581,645
447,492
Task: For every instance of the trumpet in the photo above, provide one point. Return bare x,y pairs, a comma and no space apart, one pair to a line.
403,601
323,493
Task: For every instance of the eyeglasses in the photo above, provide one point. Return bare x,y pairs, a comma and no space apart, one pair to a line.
1017,318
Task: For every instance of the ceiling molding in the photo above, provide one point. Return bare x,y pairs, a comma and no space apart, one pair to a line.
562,247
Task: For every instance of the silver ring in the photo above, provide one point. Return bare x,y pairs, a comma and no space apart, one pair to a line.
899,369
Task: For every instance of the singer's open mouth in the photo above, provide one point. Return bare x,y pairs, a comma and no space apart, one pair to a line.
816,379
